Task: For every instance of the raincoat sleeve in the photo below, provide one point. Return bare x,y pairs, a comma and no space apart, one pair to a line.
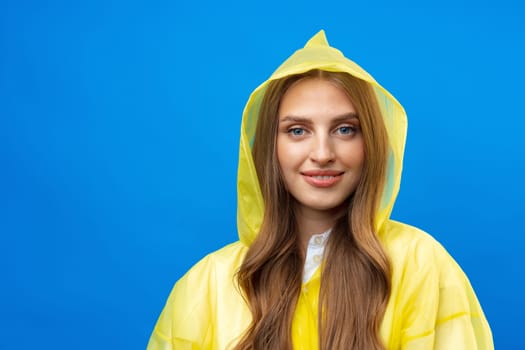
184,323
440,309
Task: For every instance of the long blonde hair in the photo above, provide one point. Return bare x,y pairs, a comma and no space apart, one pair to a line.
355,279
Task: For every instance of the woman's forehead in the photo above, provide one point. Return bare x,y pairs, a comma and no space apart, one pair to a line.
311,97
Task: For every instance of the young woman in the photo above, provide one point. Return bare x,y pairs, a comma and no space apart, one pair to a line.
319,264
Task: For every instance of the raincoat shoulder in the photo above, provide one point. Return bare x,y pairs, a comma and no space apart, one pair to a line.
432,303
204,307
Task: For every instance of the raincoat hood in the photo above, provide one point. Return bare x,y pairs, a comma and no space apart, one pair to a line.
316,54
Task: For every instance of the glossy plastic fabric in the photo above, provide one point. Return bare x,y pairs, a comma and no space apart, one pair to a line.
432,305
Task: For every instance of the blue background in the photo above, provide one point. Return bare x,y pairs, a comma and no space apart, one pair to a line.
119,124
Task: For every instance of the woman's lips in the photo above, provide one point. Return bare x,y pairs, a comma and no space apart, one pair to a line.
322,178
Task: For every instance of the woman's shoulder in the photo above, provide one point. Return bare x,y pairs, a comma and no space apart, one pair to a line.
415,253
431,298
422,266
187,319
404,241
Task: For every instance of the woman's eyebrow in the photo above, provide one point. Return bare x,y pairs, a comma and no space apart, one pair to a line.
345,117
295,119
335,119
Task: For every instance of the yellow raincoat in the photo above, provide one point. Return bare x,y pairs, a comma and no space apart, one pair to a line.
431,306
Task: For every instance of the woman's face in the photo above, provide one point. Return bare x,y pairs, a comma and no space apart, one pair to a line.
319,144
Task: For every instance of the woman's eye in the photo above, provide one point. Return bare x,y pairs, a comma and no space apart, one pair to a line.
296,131
346,130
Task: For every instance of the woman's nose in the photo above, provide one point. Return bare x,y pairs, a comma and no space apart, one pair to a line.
322,150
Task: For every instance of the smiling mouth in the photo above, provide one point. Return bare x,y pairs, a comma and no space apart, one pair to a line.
322,178
322,173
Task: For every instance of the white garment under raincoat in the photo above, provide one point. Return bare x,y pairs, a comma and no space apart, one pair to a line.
431,306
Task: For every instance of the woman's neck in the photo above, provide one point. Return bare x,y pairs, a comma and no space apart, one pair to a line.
311,222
